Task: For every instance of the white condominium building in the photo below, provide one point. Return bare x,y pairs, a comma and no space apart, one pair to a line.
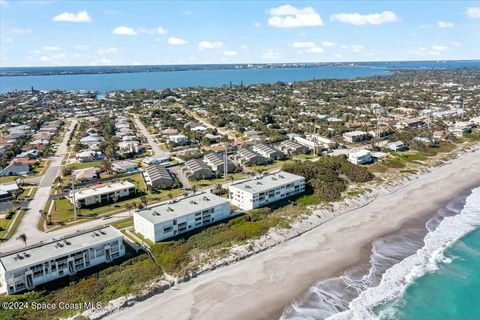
263,190
103,194
169,219
29,267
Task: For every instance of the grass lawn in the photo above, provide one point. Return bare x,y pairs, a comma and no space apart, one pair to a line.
212,182
303,157
28,192
5,224
307,200
8,179
63,212
409,157
83,165
124,223
40,168
276,165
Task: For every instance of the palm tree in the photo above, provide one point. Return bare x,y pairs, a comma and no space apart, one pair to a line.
144,201
170,196
194,188
23,237
129,206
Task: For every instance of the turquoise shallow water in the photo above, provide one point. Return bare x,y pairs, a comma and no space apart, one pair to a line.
451,292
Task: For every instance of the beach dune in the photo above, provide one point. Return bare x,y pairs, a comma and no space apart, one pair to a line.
260,286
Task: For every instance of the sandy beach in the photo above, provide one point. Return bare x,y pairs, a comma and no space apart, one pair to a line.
259,287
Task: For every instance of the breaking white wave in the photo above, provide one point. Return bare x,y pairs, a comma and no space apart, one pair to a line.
396,260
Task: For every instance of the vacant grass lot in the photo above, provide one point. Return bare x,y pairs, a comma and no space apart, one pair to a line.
276,165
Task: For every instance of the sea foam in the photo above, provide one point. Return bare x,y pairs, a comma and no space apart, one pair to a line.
396,260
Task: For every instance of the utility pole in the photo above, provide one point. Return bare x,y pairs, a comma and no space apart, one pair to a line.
225,162
74,200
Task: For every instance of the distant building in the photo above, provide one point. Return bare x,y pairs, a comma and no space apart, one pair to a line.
397,146
167,220
360,157
248,157
124,166
87,156
158,177
8,189
268,151
355,136
292,148
178,139
216,161
197,169
263,190
15,169
103,194
155,160
86,174
35,265
412,123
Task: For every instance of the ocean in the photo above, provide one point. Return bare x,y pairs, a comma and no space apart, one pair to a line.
423,271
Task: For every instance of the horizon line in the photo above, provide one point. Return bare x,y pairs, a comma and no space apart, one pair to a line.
236,64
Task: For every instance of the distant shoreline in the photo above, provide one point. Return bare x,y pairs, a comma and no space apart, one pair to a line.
81,70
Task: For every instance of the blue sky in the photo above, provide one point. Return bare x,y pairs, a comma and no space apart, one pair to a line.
51,33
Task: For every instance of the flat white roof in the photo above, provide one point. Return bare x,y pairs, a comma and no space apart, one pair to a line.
267,182
178,208
59,246
96,191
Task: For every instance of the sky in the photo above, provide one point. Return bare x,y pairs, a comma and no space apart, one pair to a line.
85,33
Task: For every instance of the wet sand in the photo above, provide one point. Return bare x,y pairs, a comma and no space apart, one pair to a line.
260,286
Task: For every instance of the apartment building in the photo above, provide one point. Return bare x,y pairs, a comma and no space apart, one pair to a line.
360,157
260,191
216,161
158,177
35,265
355,136
268,152
103,194
169,219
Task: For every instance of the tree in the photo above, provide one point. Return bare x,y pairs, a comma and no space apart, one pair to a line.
144,201
194,189
170,195
23,238
129,206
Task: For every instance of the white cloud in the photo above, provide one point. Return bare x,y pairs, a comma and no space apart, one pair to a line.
271,55
356,47
124,31
174,41
445,24
81,16
362,19
230,53
307,44
328,44
82,47
456,44
315,50
434,50
21,31
205,45
136,63
473,12
288,16
161,30
51,48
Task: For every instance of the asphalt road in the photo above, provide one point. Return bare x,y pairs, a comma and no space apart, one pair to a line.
151,141
28,225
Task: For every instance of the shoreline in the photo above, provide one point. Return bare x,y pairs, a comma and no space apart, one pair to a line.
268,280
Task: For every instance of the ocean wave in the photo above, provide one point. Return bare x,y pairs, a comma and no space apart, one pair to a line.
425,260
396,260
